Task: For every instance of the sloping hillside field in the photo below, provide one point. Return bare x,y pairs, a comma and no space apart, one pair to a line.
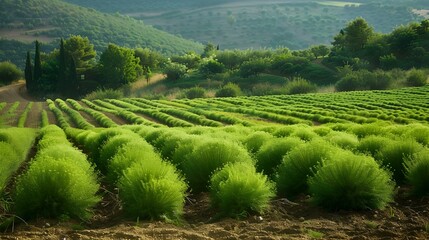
349,165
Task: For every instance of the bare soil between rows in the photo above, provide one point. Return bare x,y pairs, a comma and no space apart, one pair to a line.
407,218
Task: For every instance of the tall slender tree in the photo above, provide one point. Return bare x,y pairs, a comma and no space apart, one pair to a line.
37,68
73,83
62,74
29,74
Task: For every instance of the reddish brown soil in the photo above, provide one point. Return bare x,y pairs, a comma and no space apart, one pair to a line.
405,219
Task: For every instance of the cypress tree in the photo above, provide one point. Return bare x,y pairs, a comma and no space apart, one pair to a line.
37,67
62,76
29,74
72,79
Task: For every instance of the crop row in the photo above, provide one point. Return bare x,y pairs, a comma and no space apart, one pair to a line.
23,118
101,119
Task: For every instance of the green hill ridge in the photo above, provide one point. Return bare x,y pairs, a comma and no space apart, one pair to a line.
48,20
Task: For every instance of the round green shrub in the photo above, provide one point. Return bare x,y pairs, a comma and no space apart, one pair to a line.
152,191
207,157
195,92
416,78
59,151
237,189
343,140
271,154
299,164
285,131
420,133
9,72
111,147
299,86
255,140
171,143
94,143
229,90
127,155
175,71
54,187
322,131
372,144
417,173
304,133
393,155
351,182
184,150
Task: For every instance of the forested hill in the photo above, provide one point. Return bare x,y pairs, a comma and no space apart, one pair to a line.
48,20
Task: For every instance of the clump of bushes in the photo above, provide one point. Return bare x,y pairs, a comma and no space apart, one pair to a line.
300,164
299,86
175,71
254,141
207,157
229,90
416,78
351,182
271,154
195,92
105,94
417,173
152,191
237,189
393,155
9,72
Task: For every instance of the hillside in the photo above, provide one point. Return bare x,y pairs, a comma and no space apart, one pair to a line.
48,20
242,24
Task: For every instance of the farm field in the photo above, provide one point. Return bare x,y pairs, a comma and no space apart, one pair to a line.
349,165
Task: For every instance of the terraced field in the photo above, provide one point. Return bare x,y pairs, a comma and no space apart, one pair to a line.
335,166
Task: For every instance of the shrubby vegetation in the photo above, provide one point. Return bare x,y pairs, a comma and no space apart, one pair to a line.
9,72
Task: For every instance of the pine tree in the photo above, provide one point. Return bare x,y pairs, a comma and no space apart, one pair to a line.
29,74
37,68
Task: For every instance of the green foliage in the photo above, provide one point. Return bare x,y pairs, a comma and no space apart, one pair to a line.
119,66
137,151
417,172
343,140
229,90
393,155
256,140
111,147
152,191
237,190
351,182
105,94
10,163
195,92
211,66
80,50
416,78
54,187
300,164
299,86
364,80
149,59
209,155
372,144
190,60
254,67
9,72
175,71
271,153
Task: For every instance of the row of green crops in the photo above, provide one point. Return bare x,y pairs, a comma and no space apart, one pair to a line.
23,118
148,187
59,181
15,144
101,119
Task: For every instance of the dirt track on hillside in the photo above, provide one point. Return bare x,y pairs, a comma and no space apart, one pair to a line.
15,92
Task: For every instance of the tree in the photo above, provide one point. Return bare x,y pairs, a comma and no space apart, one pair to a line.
175,71
211,66
148,58
72,80
254,67
81,50
119,66
29,74
37,68
148,74
320,51
357,34
62,74
9,72
209,50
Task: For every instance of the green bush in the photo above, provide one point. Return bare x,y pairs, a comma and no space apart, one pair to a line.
127,155
152,191
271,154
393,154
105,94
111,147
420,133
195,92
175,71
9,72
372,144
299,86
255,141
54,187
417,173
10,161
207,157
351,182
298,165
416,78
229,90
304,133
210,67
237,189
343,140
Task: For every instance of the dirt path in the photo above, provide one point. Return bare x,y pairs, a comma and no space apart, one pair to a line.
15,92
